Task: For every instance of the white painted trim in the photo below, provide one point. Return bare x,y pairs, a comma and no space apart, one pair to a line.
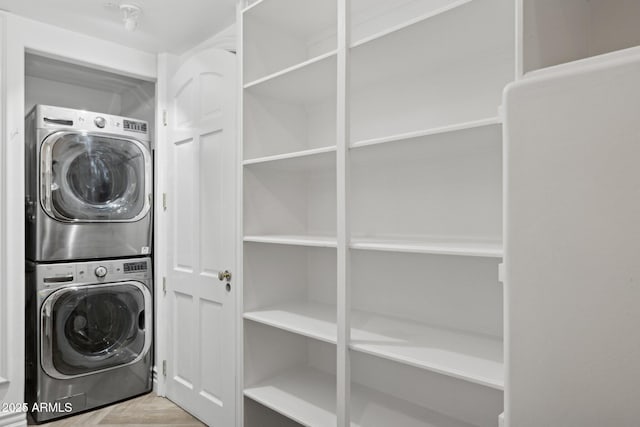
3,241
166,67
13,419
13,211
240,221
519,35
343,283
60,43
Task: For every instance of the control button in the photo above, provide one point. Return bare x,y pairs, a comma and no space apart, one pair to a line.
101,271
100,122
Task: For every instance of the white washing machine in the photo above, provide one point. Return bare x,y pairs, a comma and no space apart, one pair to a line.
91,334
89,185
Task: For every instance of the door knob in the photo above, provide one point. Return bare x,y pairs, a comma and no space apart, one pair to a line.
224,275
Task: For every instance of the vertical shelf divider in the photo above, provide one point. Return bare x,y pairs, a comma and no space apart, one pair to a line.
238,268
343,364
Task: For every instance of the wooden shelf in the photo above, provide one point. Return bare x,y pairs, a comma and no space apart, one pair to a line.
296,240
302,158
288,70
470,125
317,321
305,395
307,83
371,408
436,247
469,357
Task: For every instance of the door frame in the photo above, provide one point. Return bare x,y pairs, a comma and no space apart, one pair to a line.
18,36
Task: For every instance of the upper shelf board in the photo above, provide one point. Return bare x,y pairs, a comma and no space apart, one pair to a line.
431,132
489,249
473,31
297,240
307,83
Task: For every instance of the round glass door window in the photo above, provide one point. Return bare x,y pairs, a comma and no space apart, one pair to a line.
89,177
95,327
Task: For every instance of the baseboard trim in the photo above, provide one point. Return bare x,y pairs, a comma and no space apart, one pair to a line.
13,419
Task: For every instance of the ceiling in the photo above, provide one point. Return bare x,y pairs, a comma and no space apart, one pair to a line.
164,25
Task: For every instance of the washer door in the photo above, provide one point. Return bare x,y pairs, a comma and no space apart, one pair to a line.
91,328
89,177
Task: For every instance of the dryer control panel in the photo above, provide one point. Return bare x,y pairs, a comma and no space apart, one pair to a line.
49,117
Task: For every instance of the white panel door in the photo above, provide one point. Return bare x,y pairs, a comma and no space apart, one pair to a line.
201,227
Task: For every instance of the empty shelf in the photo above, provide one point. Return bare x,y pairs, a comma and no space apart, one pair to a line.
469,357
306,395
444,7
312,320
475,124
371,408
306,83
291,69
297,240
323,158
490,249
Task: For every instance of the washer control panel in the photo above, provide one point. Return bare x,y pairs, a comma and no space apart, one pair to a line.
63,274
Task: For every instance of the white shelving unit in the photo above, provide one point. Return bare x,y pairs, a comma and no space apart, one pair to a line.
372,204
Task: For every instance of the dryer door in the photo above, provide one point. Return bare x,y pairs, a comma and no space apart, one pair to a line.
89,177
91,328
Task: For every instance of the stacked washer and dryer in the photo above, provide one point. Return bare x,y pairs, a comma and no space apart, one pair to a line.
89,295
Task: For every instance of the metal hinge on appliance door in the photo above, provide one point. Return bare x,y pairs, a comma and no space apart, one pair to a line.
164,368
164,117
164,201
164,285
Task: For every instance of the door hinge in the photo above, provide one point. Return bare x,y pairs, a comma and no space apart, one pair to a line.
164,368
164,201
164,117
164,285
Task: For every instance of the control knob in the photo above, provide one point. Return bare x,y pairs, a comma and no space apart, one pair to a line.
100,122
101,271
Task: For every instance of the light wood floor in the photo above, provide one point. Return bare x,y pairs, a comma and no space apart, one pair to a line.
143,411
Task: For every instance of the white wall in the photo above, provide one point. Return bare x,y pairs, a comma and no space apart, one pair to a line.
22,34
573,245
41,91
225,39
